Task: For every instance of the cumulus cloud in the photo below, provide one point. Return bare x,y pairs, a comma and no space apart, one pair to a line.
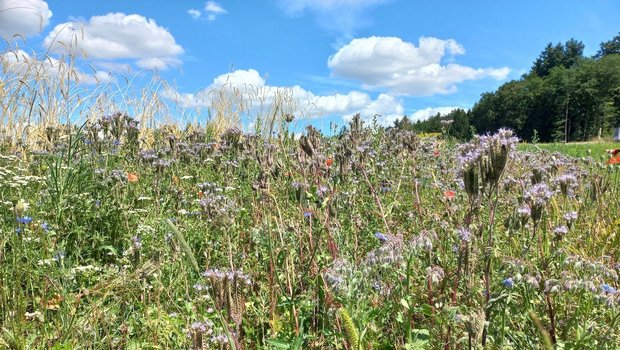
26,66
406,69
113,67
254,90
386,109
341,16
210,11
118,36
23,17
423,114
238,79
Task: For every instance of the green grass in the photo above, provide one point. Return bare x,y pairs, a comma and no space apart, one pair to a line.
574,149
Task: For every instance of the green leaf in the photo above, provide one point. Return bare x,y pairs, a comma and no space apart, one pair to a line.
422,334
278,344
426,309
422,337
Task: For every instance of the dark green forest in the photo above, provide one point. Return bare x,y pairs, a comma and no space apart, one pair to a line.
565,96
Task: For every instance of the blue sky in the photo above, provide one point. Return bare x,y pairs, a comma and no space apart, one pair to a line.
335,58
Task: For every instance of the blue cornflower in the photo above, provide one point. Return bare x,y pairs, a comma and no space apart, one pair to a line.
607,289
508,282
381,237
45,226
307,214
25,220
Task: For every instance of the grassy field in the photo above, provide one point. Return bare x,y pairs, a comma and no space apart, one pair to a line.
596,150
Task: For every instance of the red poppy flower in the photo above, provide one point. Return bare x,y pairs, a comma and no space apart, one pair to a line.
132,177
436,153
449,194
329,162
615,157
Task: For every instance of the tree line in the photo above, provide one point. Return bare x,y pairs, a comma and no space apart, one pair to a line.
565,96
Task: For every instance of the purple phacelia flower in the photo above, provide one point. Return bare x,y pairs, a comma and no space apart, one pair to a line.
524,211
539,194
136,242
464,234
560,230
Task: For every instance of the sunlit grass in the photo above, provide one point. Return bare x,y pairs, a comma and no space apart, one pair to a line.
595,149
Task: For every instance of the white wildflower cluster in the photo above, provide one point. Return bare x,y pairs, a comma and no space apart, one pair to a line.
13,176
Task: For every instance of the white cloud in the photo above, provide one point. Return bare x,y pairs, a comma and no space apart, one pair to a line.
498,73
423,114
113,67
194,13
238,79
214,7
256,94
210,12
23,17
25,66
118,36
402,68
386,108
341,16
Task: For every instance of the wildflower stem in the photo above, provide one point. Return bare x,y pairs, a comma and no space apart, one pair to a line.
551,319
377,200
489,255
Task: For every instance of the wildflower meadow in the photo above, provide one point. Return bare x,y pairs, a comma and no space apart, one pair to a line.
134,215
123,237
